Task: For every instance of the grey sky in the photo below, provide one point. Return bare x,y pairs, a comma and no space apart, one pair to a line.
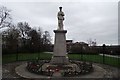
83,20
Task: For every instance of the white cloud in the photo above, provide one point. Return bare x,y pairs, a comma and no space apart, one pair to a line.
83,20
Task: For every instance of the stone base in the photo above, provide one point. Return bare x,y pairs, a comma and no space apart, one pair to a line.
60,43
70,66
59,60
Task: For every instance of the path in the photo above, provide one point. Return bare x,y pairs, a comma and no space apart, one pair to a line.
115,56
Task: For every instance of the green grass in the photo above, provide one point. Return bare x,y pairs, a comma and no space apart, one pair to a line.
25,56
32,56
97,59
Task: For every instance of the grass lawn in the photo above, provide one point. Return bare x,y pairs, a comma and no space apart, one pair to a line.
25,56
32,56
97,58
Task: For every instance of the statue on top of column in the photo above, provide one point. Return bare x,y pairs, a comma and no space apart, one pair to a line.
60,17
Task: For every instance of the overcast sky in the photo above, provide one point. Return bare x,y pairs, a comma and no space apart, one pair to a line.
83,20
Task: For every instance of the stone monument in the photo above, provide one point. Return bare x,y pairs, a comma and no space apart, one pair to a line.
60,53
59,65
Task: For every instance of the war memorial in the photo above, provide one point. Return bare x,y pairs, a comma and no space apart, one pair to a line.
60,66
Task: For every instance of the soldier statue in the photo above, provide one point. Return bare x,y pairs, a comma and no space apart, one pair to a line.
60,17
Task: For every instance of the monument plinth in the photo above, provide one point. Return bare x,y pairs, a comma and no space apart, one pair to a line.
59,54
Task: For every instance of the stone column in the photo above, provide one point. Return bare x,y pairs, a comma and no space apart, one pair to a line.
59,54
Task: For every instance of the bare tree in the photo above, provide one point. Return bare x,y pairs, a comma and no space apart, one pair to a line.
10,39
46,38
5,18
92,42
24,29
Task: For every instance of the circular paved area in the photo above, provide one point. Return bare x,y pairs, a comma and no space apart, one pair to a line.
9,71
23,72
